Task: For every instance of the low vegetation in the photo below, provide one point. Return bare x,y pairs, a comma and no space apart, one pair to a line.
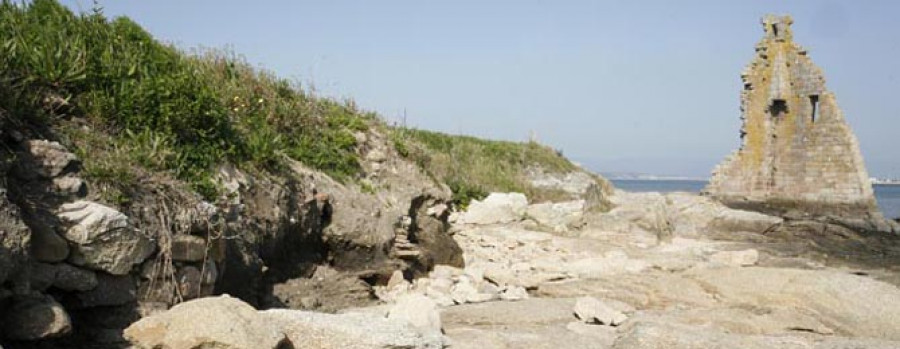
473,167
130,105
163,110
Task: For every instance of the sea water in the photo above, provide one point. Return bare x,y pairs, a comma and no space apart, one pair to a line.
888,196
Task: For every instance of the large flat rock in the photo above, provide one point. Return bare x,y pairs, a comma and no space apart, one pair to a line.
851,304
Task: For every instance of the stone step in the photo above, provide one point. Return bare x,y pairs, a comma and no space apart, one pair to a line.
404,245
407,254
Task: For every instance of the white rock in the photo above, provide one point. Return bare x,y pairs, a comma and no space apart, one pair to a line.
419,311
461,292
220,322
440,285
560,217
441,271
397,280
482,297
225,322
45,159
496,208
575,182
352,330
441,299
488,288
102,237
736,258
476,274
500,275
437,210
592,310
89,220
68,185
613,262
729,220
606,335
514,293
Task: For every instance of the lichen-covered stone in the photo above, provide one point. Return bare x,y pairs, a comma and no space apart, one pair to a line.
103,238
798,154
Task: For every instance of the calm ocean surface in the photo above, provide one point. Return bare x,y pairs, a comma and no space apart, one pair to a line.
888,196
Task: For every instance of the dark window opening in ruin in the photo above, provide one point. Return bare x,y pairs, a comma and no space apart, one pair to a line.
775,30
814,102
778,108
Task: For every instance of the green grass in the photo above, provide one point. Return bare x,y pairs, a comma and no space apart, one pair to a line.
140,106
473,167
165,110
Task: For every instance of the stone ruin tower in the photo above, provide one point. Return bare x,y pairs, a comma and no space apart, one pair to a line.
798,155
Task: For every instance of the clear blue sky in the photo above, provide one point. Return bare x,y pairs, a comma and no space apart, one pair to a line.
644,86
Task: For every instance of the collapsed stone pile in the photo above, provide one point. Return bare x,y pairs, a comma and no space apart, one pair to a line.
447,286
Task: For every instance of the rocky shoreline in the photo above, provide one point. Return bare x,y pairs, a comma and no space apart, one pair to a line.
785,249
663,278
610,270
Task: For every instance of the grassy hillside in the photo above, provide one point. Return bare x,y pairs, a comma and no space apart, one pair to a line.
473,167
164,109
130,105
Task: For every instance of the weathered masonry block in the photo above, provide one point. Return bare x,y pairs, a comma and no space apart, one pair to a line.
798,155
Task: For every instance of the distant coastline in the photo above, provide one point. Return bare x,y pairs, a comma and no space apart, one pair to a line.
649,177
879,181
617,176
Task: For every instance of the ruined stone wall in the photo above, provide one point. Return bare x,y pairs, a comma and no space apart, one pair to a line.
798,153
